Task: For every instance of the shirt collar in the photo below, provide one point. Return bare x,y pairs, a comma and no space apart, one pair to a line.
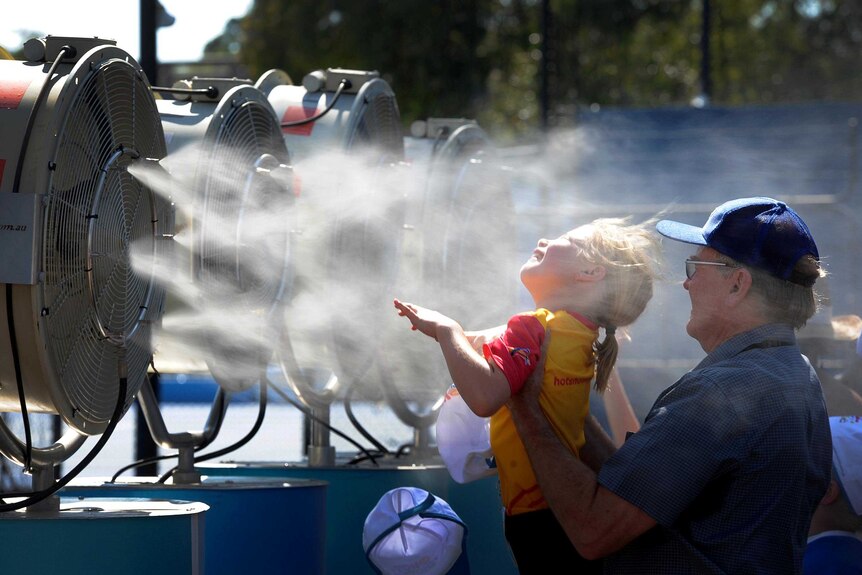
739,342
834,534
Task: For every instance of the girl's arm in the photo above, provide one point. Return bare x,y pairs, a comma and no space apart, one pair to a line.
478,338
621,415
483,386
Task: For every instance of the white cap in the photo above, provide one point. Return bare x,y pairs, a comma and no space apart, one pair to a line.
412,532
464,440
847,457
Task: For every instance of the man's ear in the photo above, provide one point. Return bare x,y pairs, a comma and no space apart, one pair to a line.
592,274
833,492
740,285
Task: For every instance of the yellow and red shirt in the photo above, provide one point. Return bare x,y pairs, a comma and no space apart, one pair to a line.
564,398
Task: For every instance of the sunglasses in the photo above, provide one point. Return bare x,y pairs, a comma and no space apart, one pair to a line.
691,266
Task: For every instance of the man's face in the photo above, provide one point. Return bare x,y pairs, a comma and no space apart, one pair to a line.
707,288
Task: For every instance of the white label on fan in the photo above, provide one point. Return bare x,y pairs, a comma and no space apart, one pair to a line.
18,214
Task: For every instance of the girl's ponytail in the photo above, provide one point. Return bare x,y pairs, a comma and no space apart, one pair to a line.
606,357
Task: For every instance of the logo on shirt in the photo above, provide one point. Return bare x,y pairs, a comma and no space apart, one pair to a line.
565,381
521,353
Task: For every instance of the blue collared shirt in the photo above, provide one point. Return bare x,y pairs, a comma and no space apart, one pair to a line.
731,462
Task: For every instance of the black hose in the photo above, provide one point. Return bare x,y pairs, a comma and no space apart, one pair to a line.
233,447
209,91
37,496
310,415
16,360
343,85
349,410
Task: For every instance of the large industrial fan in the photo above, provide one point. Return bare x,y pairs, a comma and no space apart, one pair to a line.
77,316
343,127
459,259
228,172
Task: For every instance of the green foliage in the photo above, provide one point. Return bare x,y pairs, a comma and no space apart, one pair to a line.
485,59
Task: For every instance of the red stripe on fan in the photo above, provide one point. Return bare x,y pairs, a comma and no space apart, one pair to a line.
2,167
11,93
295,114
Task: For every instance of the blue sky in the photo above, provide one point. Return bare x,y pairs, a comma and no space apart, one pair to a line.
197,22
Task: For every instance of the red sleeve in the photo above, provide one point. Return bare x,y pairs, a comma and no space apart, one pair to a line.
517,351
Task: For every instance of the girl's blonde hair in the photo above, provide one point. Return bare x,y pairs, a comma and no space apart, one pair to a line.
630,256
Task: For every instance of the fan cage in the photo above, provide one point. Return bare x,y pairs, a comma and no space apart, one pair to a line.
379,126
249,131
467,269
96,311
239,267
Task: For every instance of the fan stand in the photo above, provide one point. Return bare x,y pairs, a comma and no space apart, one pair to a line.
318,400
185,442
43,462
421,423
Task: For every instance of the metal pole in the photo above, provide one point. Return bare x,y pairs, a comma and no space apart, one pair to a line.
148,60
705,72
544,88
145,447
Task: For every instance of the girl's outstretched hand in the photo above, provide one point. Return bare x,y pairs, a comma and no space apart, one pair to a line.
423,319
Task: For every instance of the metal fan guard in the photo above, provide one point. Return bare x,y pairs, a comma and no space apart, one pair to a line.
244,133
366,124
94,311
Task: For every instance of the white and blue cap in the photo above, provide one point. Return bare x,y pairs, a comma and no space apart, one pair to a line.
847,457
412,532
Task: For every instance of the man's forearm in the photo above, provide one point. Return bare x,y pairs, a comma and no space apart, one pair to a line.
596,520
598,447
565,481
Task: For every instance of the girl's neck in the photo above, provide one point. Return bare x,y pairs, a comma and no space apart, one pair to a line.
581,301
564,304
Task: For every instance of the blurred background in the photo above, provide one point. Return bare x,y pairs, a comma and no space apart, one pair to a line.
518,67
595,107
581,109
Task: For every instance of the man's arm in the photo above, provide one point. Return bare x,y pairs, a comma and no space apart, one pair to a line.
597,521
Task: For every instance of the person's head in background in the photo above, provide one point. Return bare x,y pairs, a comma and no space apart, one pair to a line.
829,342
756,263
603,270
841,507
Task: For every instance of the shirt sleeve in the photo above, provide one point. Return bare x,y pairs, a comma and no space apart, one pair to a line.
518,350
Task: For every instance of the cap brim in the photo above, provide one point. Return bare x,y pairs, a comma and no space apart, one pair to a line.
681,232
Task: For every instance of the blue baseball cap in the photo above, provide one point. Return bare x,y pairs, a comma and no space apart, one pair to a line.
759,232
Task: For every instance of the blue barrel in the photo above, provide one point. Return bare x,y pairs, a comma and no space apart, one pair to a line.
354,491
106,535
254,525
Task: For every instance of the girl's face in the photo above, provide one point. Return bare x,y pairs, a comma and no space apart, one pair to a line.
555,262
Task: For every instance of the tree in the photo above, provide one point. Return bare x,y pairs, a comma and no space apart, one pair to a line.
483,59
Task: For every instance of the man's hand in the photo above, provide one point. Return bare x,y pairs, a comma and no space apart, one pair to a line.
425,320
528,396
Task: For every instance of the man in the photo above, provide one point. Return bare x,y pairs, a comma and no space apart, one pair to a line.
835,536
731,461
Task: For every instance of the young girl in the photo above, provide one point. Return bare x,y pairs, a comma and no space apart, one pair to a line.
597,275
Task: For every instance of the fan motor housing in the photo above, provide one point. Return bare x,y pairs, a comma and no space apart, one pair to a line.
365,115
